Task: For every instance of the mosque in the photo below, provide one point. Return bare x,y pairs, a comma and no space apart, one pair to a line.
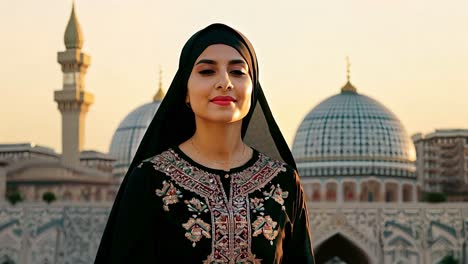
357,166
355,159
351,148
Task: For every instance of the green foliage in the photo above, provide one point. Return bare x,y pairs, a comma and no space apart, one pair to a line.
14,197
449,259
435,197
49,197
8,261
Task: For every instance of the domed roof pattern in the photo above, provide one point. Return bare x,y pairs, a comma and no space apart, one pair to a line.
130,132
353,134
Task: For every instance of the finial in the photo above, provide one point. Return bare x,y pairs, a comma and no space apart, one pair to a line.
348,66
73,35
160,77
160,94
348,87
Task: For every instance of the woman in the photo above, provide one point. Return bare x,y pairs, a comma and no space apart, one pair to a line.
213,180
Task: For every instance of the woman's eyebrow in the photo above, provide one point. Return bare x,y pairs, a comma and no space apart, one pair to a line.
238,61
208,61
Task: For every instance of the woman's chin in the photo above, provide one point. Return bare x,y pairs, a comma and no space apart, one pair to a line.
222,119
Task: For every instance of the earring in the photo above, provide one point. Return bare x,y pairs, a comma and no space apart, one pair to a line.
188,105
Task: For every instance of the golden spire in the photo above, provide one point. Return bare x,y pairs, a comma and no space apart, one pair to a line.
348,66
348,87
160,94
73,35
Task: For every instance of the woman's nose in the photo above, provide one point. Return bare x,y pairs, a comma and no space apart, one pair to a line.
224,81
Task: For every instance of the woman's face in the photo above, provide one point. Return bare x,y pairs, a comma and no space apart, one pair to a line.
219,88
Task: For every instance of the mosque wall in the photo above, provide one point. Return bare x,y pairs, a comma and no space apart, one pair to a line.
2,183
395,233
360,189
382,232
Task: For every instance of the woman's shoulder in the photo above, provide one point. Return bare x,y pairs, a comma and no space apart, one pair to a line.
286,182
287,172
153,166
160,160
275,163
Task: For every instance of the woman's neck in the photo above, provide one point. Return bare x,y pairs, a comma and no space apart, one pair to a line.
217,145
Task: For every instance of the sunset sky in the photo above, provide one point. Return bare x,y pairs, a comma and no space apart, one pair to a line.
412,56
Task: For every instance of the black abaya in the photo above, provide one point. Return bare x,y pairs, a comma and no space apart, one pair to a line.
170,209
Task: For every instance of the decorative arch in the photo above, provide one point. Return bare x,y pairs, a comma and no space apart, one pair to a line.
401,249
391,192
370,190
97,196
441,247
67,196
315,192
407,192
326,249
44,246
110,193
331,190
349,191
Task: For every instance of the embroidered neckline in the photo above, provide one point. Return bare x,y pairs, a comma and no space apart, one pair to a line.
250,162
231,232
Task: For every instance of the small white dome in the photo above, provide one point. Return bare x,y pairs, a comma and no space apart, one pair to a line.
129,134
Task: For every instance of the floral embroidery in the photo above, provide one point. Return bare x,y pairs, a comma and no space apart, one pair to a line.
256,204
257,176
196,229
266,226
276,194
253,260
170,193
230,219
196,206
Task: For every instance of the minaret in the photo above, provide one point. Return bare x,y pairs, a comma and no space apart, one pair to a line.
73,101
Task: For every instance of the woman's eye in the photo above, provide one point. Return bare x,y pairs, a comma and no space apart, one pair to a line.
238,72
206,72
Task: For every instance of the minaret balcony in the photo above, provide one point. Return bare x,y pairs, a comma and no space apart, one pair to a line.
66,98
73,56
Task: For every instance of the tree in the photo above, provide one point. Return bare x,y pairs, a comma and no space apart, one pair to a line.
449,259
49,197
14,197
435,197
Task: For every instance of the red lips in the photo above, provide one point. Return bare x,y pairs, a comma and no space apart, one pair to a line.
223,100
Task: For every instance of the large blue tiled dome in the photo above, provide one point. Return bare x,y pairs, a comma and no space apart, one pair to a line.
353,134
130,132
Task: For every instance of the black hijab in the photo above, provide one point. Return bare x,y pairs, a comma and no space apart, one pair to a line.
174,122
